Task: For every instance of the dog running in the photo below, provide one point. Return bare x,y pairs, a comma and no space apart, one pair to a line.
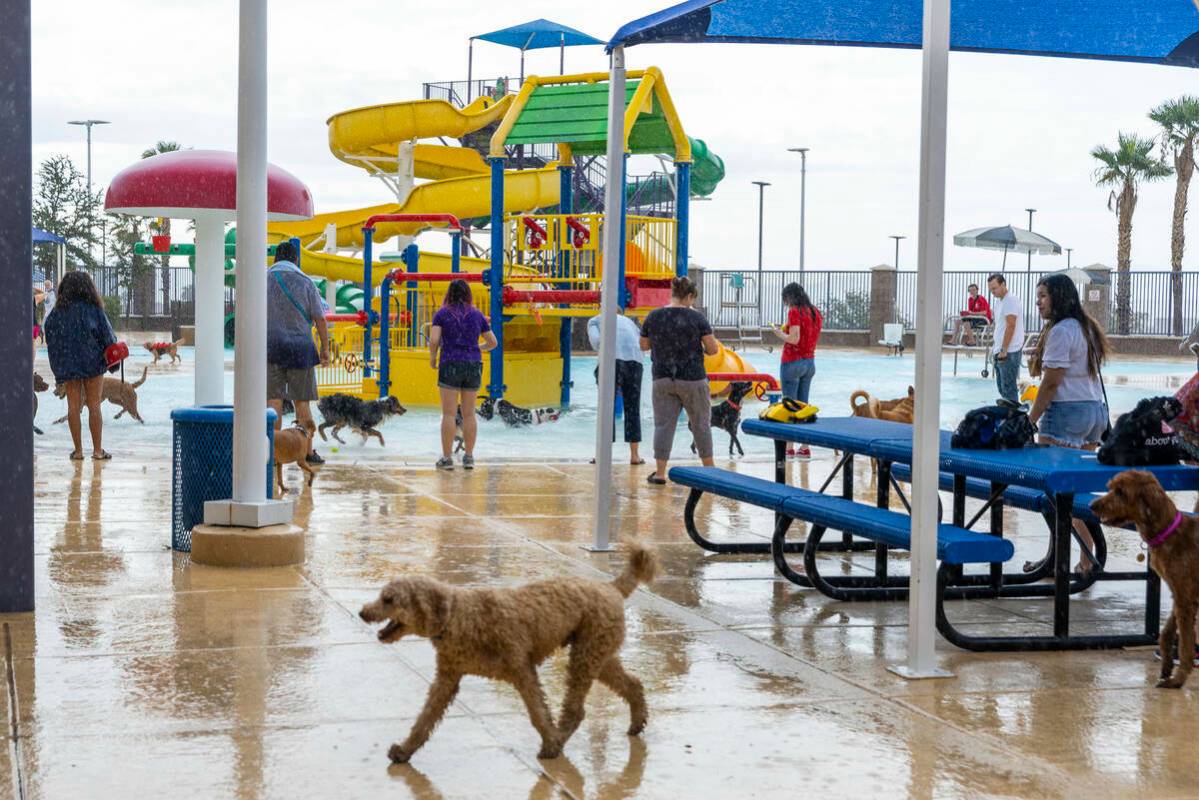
726,415
514,416
115,391
504,634
160,349
1136,497
361,416
291,447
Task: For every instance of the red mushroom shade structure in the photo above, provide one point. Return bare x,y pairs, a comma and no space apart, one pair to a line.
201,185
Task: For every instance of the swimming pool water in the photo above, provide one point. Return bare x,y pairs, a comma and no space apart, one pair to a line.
414,437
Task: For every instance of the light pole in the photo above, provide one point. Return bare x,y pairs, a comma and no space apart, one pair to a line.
1069,250
761,208
88,123
803,191
897,239
1030,211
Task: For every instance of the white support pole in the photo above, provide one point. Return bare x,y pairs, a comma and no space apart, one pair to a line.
249,391
609,297
926,430
210,310
331,247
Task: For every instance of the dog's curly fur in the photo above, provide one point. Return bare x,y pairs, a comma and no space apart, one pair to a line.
504,634
361,416
1136,497
115,391
726,415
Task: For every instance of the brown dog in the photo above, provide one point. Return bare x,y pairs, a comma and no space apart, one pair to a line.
901,409
160,349
115,391
504,634
1173,539
291,447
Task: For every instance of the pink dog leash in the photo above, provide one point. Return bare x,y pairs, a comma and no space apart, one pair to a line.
1159,540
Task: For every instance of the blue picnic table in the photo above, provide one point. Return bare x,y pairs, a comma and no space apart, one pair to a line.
1059,473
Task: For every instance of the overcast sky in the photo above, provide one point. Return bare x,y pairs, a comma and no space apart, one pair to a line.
1020,129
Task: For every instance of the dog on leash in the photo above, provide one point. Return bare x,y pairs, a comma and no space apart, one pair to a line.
39,385
160,349
361,416
901,409
115,391
291,447
726,415
1136,497
505,633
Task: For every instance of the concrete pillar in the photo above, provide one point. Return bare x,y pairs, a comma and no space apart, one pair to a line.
210,310
16,313
1097,295
697,274
883,297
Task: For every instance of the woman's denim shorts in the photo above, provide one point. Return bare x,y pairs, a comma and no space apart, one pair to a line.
1074,423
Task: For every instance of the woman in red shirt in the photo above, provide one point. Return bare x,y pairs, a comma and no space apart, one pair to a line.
800,336
976,309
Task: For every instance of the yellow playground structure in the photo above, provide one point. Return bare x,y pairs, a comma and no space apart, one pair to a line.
541,266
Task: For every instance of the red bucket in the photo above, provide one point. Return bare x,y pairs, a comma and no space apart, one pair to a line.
161,243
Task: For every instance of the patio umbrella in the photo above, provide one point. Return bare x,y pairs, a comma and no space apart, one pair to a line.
537,34
1008,238
1083,276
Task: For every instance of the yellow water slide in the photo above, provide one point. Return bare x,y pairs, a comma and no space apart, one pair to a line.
370,138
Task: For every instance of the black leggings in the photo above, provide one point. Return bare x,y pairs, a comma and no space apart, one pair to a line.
628,387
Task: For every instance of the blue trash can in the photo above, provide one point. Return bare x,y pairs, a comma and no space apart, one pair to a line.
202,465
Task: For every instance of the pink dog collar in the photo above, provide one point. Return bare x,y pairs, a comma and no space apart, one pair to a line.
1159,540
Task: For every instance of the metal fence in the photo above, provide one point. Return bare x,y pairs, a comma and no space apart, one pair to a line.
843,296
158,293
460,93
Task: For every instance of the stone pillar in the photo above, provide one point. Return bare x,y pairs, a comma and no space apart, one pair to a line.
883,284
1097,295
697,274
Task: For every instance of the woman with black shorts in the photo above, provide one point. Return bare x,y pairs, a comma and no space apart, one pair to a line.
457,327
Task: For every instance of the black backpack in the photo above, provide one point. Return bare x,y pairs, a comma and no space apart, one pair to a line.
1000,427
1138,438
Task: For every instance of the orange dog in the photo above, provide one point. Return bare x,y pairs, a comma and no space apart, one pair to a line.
1173,539
291,447
160,349
901,409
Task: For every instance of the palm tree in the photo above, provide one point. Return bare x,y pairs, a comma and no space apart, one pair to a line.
162,227
1180,133
1130,163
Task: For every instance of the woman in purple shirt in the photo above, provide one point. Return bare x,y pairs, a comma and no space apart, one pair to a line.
456,329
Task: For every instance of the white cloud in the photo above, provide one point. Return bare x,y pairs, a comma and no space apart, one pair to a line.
1020,128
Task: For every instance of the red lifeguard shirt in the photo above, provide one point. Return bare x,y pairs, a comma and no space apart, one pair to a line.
809,333
979,305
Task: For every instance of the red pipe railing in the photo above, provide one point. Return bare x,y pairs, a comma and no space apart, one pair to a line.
580,296
449,219
400,276
752,377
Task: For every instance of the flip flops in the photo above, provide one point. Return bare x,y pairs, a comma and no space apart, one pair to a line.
103,455
655,480
76,456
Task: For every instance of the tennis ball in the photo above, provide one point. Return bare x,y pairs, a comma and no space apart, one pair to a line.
335,449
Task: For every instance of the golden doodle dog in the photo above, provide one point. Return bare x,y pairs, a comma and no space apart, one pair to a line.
291,447
1173,540
160,349
901,409
503,634
115,391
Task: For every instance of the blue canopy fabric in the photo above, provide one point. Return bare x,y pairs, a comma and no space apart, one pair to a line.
1152,31
537,35
40,236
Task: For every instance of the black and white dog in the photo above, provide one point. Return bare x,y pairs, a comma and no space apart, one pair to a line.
727,415
361,416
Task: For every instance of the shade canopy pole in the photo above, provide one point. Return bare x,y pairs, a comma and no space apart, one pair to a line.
609,291
470,64
922,597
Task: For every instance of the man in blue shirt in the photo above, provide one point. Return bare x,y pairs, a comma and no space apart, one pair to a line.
293,306
629,367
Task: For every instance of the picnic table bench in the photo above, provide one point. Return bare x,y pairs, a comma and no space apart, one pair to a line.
1051,480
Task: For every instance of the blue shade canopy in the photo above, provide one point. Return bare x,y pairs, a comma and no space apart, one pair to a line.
537,35
1153,31
40,236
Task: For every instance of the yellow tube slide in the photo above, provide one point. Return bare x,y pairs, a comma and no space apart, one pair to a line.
724,360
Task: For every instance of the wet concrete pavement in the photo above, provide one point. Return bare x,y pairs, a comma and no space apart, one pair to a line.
141,675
